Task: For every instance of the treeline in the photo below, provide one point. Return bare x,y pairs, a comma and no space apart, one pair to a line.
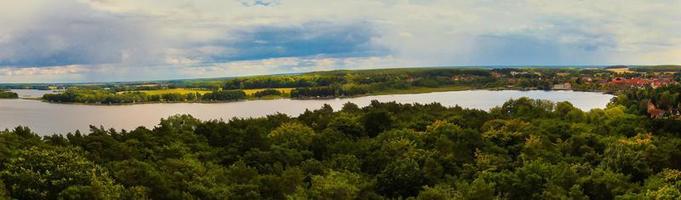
268,92
224,95
330,91
100,96
524,149
361,82
347,83
343,81
309,85
34,86
6,94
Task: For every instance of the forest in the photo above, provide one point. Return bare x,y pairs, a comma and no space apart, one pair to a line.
523,149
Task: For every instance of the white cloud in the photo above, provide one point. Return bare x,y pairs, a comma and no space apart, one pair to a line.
140,35
42,74
108,72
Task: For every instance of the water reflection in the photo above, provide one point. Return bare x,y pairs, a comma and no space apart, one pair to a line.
46,118
31,94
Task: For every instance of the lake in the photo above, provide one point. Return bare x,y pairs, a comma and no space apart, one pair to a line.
47,118
31,94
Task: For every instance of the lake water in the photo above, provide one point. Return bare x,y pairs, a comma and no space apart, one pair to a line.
47,118
27,93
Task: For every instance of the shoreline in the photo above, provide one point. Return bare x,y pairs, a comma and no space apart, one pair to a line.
383,93
62,118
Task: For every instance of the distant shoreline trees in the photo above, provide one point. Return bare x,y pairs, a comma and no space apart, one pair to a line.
100,96
5,94
349,83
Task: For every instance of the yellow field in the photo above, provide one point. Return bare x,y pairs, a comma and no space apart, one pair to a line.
620,70
250,92
176,90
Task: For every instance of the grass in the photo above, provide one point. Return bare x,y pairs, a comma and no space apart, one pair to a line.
175,90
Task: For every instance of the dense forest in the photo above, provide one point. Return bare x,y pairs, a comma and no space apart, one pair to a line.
8,95
523,149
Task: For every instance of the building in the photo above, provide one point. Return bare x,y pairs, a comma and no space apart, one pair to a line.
639,82
562,86
655,83
653,111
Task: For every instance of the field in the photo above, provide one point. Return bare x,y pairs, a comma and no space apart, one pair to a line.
620,70
175,90
250,92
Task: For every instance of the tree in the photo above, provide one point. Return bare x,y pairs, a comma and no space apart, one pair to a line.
478,189
664,185
377,121
438,192
224,95
293,135
347,124
39,173
631,156
401,178
100,188
525,108
605,184
4,194
336,185
350,107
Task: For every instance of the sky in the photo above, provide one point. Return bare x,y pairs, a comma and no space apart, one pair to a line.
126,40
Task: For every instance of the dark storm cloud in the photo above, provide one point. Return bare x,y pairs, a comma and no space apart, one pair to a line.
74,34
309,39
515,49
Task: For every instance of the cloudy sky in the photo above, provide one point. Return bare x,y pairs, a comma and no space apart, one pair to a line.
120,40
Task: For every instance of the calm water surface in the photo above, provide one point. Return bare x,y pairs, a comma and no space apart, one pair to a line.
27,93
46,118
